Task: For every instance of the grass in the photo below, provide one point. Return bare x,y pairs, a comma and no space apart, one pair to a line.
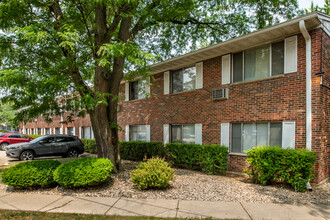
19,215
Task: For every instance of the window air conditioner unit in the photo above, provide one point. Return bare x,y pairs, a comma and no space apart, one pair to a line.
219,94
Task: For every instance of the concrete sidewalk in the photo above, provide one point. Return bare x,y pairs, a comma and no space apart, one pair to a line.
160,208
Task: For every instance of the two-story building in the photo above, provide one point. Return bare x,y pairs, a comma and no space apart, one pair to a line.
269,87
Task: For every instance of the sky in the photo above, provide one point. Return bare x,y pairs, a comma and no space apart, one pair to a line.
306,3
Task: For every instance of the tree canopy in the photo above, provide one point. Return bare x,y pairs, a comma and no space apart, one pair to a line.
52,48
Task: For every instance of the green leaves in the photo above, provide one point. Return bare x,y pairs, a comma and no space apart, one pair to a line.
270,164
155,173
212,159
31,174
83,172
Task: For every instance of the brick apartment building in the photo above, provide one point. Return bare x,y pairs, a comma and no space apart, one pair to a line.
269,87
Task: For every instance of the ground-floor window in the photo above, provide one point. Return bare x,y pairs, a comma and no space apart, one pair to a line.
39,131
57,130
183,134
47,130
70,131
87,133
26,131
244,136
138,133
32,131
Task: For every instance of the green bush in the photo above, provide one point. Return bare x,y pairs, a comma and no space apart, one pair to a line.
268,164
90,145
135,150
212,159
31,174
155,173
3,130
83,172
34,136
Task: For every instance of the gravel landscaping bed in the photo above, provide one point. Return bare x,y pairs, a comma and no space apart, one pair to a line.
194,185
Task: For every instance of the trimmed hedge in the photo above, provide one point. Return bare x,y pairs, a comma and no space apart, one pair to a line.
90,145
83,172
268,164
31,174
134,150
155,173
212,159
34,136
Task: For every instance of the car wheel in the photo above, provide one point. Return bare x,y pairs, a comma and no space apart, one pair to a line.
27,155
72,153
3,146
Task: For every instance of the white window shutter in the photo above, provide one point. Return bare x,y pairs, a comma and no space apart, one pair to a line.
199,75
290,54
61,130
166,82
44,131
199,134
92,133
50,130
148,133
66,130
79,132
224,134
225,70
166,133
127,91
288,134
148,86
74,131
127,133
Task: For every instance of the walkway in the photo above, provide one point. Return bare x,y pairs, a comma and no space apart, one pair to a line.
160,208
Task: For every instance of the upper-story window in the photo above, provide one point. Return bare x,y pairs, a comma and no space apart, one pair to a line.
258,63
137,89
183,79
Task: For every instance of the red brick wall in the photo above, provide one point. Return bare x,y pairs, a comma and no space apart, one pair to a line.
280,98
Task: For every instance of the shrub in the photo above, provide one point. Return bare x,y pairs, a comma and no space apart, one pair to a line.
3,130
211,159
34,136
31,174
268,164
135,150
90,145
152,174
83,172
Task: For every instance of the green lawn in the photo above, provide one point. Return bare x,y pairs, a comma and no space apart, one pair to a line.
18,215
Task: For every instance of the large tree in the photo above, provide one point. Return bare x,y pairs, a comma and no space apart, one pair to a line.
54,48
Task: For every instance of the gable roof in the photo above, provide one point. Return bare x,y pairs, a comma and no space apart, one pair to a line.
279,31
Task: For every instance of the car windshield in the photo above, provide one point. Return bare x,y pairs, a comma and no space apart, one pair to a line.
38,139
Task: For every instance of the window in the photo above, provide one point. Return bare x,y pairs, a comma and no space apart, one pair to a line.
14,136
87,132
183,134
259,63
26,130
137,89
183,79
57,130
32,130
248,135
137,133
65,139
47,130
70,131
39,131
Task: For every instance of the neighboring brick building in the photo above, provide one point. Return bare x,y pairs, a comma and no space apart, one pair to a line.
248,91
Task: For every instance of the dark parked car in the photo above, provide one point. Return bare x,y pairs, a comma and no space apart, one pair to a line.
47,145
12,138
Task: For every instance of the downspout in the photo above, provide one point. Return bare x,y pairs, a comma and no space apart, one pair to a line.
307,37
